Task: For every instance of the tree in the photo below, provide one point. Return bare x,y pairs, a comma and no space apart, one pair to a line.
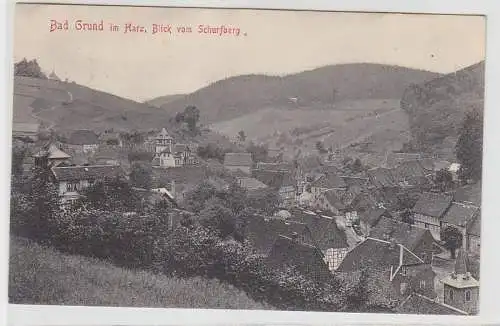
444,179
241,136
28,69
259,152
191,117
18,157
469,147
219,218
357,166
407,217
452,239
141,175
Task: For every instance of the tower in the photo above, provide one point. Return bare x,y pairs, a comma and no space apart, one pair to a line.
461,290
163,149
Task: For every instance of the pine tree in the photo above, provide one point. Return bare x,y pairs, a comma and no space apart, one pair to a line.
469,148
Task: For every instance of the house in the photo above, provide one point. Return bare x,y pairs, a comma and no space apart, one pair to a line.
410,174
71,180
291,252
50,156
394,159
454,170
461,290
262,231
381,178
85,141
238,161
356,185
163,150
280,167
25,130
106,155
417,240
282,182
327,182
429,210
338,202
326,235
156,196
473,236
460,215
251,184
365,201
369,219
417,303
183,155
405,271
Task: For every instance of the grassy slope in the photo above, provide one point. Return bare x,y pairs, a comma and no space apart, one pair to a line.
41,275
319,88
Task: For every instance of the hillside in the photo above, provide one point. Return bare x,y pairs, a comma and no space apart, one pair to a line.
319,88
40,275
69,106
437,108
159,101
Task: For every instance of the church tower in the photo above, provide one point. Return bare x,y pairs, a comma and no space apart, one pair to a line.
461,290
163,149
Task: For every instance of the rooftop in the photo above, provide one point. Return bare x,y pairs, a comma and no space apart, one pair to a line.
406,234
433,204
460,214
416,303
238,159
91,172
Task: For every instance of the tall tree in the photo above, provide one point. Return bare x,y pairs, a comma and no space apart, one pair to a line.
452,239
241,136
141,175
191,117
27,68
469,147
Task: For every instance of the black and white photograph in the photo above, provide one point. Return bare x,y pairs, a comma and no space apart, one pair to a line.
247,159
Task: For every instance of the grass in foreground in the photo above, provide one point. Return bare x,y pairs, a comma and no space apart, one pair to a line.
40,275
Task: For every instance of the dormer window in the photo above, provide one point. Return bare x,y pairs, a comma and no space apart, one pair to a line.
467,296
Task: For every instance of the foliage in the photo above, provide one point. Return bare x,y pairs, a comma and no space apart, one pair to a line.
265,201
191,117
28,69
452,239
469,147
321,147
114,194
407,216
141,175
210,151
444,180
141,156
259,152
18,157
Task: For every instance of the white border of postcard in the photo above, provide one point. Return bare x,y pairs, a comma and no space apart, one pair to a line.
490,286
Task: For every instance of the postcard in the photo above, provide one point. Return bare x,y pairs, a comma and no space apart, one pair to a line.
246,159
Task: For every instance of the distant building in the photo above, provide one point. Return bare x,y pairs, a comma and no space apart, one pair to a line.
461,290
283,183
170,155
25,130
50,156
238,161
460,216
327,182
85,141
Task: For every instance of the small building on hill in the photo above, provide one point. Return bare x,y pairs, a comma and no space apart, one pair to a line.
85,141
429,211
404,270
25,130
238,161
50,156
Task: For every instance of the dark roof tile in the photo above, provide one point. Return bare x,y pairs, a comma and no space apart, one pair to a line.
91,172
418,304
433,204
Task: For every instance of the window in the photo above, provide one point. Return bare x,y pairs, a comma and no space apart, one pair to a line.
70,186
467,296
422,284
404,270
451,294
426,225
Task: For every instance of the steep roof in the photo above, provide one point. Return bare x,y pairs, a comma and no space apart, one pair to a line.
460,213
262,232
238,159
179,148
251,183
416,303
275,166
469,193
333,199
461,278
329,181
378,255
433,204
274,179
324,230
406,234
83,137
474,226
408,170
56,153
307,259
91,172
372,217
381,177
163,134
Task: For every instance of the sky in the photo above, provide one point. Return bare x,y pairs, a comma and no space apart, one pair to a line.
142,66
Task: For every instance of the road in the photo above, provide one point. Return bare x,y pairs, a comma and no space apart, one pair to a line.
47,121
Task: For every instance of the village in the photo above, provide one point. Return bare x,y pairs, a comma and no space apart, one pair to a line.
409,221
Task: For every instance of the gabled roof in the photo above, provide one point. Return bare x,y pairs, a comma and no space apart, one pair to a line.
381,177
83,137
329,181
56,153
372,217
333,199
179,148
324,231
378,255
274,179
460,214
406,234
416,303
408,170
469,193
474,226
251,183
163,134
275,166
91,172
364,202
433,204
25,127
307,259
238,159
461,278
262,232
